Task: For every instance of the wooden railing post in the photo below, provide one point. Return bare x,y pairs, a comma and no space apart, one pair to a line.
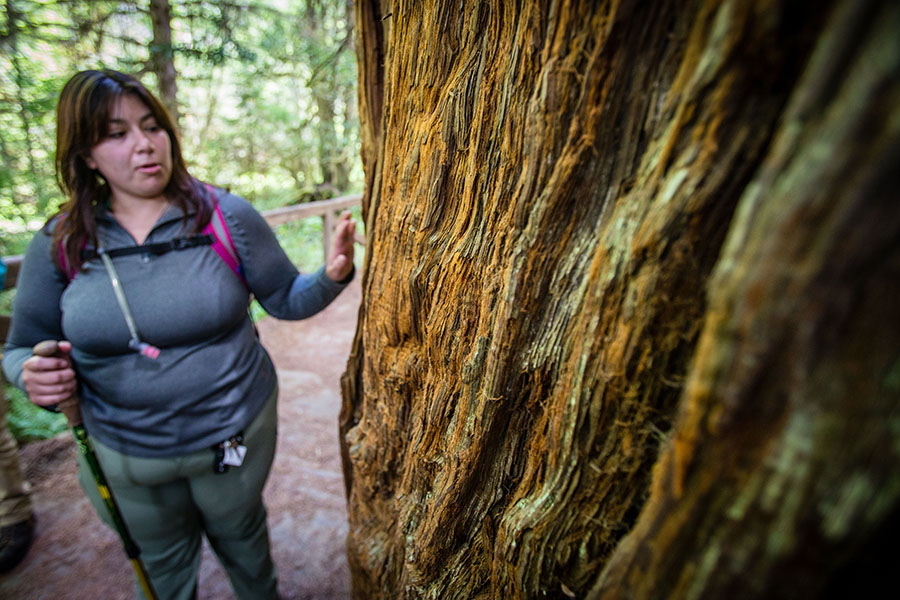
326,209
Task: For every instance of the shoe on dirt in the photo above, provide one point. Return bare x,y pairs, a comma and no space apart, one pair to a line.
15,540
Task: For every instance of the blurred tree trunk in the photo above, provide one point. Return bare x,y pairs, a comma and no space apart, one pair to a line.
630,324
335,172
335,176
162,56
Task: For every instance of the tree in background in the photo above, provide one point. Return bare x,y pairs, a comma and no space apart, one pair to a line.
304,75
630,324
162,56
329,88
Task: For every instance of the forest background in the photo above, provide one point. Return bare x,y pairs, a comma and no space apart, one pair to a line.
264,93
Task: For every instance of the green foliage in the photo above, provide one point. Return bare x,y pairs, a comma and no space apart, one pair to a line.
14,243
6,298
28,422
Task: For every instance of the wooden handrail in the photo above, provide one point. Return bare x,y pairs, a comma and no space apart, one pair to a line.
277,216
324,208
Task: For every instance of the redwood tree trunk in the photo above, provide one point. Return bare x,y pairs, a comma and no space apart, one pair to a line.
629,325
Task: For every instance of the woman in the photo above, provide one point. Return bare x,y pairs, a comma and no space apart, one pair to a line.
175,388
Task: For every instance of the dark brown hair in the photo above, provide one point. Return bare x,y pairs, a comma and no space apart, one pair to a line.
82,121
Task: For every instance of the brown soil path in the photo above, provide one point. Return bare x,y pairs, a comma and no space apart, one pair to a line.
75,557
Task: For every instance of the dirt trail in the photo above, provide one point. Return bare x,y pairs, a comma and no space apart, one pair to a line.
75,557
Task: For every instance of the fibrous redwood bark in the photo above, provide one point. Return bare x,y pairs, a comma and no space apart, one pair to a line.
560,198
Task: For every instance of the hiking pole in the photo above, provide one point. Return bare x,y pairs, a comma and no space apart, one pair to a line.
70,408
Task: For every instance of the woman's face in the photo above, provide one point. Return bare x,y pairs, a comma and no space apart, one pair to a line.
135,157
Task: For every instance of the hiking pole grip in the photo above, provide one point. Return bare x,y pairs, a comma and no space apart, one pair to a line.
69,406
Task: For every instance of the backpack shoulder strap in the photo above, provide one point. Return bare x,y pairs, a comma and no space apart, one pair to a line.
222,242
68,269
64,262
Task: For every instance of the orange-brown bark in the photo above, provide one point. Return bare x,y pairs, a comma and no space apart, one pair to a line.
549,189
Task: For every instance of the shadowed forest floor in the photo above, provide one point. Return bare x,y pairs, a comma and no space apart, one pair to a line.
74,556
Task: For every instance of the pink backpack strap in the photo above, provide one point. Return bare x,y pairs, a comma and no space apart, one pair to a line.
222,244
68,269
64,263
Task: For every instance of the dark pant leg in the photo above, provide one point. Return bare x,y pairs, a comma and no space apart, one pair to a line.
234,517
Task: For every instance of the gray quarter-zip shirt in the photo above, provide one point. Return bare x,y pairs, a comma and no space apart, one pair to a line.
212,375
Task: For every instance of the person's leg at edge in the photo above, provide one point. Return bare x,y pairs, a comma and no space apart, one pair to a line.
16,519
157,508
234,517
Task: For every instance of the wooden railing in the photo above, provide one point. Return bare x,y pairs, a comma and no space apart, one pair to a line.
326,209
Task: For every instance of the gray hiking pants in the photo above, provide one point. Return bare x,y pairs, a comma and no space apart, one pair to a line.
169,504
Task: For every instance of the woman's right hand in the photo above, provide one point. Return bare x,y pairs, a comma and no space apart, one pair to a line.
49,380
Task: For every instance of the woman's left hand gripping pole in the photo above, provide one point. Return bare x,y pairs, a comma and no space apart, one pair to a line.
71,409
69,406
